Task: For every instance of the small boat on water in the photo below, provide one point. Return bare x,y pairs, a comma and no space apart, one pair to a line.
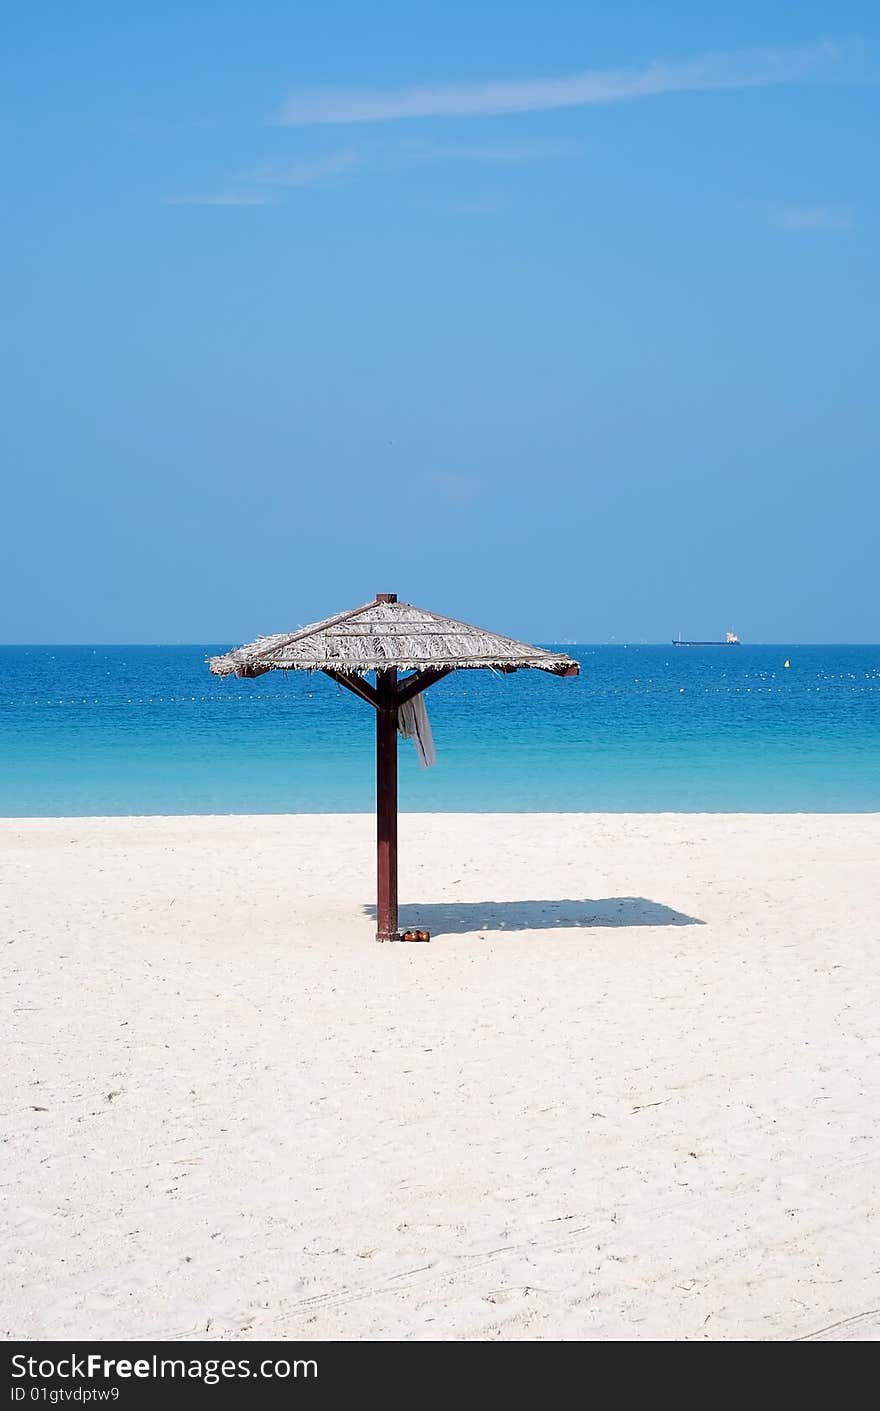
731,640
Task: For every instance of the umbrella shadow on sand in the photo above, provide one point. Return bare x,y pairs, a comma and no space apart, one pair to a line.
458,918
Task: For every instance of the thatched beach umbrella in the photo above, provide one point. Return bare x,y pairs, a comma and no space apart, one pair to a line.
386,637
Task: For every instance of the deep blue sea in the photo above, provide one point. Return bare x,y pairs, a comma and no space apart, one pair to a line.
147,730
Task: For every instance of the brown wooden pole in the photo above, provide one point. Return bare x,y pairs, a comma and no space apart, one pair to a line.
387,928
386,807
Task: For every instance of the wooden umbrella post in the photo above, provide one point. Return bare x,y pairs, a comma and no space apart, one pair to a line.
386,822
386,799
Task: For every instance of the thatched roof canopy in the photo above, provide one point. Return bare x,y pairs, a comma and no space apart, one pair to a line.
383,634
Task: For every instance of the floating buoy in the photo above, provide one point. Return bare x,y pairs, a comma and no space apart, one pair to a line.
681,690
788,663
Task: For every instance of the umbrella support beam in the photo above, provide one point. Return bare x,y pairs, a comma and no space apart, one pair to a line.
387,928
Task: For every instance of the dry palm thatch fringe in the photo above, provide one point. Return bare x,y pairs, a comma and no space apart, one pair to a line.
382,634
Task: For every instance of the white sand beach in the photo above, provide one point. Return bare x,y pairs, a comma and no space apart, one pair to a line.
629,1091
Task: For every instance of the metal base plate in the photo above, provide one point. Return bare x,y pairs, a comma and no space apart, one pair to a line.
409,936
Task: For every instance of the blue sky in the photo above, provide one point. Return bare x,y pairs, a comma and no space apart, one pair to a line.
561,318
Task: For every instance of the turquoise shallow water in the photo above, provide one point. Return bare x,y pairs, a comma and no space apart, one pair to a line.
146,730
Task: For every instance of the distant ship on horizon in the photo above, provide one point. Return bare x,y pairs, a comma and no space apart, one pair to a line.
731,640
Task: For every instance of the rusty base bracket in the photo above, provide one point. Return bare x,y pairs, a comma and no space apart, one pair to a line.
410,935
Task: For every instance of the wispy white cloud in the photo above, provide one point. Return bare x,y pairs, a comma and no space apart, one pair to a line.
812,217
223,198
744,68
265,176
267,180
302,171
